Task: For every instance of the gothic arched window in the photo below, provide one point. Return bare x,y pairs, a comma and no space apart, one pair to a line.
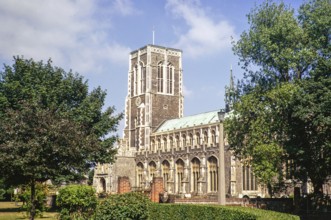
197,138
180,174
170,75
160,78
213,174
165,173
142,78
140,173
195,163
152,169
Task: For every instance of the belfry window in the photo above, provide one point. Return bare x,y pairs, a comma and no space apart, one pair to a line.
170,73
135,80
160,78
142,78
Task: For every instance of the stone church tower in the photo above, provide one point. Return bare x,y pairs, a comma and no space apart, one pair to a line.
154,93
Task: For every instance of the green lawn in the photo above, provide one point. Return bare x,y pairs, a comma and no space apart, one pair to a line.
11,211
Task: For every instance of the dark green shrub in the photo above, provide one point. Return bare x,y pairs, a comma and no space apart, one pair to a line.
124,206
40,198
212,212
196,212
76,202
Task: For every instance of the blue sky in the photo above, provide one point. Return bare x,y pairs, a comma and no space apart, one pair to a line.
94,38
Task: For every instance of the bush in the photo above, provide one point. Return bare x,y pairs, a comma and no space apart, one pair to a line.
124,206
196,212
184,211
77,202
40,197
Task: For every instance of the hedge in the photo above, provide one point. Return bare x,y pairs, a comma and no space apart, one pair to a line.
195,212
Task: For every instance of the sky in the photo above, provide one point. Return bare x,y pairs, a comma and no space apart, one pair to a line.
94,38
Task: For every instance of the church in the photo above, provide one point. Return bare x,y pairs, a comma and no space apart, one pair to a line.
190,153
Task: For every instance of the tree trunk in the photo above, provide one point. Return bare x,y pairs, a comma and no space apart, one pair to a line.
32,200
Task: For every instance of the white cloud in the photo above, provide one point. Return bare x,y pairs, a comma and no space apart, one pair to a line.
186,92
125,7
69,32
204,34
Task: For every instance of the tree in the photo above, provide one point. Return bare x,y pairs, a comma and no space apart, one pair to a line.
51,127
283,108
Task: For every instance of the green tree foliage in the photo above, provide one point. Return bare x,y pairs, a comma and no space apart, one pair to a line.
124,206
283,113
77,202
51,126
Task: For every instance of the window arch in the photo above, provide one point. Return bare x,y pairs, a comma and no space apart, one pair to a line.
179,174
152,169
153,145
171,142
158,144
213,137
249,180
190,139
183,140
142,78
165,173
205,137
197,138
160,77
135,80
177,142
165,144
213,174
170,75
140,173
195,165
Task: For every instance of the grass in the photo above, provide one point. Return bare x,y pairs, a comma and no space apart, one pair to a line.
12,211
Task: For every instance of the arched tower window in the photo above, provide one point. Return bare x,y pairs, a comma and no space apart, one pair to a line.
170,75
179,175
195,163
142,78
135,80
213,174
160,78
165,173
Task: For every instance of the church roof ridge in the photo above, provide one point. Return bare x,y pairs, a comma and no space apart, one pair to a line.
189,121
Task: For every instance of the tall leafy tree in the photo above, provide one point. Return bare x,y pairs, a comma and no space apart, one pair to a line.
51,126
284,111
